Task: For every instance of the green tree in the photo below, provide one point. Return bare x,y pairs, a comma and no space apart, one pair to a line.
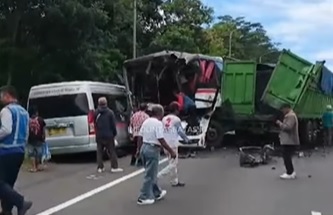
61,40
16,20
182,25
248,40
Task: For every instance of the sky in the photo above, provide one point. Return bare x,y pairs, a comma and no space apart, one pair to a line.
303,26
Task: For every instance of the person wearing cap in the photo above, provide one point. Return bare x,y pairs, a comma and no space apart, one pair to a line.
106,131
289,139
136,122
150,142
328,125
172,130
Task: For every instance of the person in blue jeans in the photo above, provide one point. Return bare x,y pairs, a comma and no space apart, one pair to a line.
150,142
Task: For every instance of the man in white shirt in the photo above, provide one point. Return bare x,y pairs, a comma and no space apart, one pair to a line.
150,142
172,130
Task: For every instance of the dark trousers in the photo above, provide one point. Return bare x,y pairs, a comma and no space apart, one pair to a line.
134,158
110,148
328,136
287,154
9,168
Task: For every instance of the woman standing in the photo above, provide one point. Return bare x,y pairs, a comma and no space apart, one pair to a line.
135,124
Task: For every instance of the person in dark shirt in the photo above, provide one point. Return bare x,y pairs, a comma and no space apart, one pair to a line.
106,132
36,139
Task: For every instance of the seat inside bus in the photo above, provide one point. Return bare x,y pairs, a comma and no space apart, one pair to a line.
161,80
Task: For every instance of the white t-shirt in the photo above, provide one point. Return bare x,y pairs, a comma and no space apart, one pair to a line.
170,129
152,130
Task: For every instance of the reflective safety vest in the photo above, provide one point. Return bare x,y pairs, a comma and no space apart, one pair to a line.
15,142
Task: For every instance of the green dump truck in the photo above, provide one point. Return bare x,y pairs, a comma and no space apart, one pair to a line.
253,93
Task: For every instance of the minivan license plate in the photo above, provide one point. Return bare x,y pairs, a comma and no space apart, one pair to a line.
56,131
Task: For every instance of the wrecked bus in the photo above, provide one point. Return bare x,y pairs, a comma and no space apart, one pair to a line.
153,79
253,94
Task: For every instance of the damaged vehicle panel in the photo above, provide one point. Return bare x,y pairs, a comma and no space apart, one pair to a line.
158,77
253,94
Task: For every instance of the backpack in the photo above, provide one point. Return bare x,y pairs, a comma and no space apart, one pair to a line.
34,127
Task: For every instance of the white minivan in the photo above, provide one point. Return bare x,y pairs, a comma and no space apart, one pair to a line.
68,110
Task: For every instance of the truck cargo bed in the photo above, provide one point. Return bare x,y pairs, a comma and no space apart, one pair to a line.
253,94
297,82
243,86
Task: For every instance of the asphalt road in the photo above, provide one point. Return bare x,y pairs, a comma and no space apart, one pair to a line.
216,185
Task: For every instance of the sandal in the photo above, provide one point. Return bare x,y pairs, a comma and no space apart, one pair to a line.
32,170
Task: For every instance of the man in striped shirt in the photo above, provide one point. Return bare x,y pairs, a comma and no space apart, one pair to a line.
135,124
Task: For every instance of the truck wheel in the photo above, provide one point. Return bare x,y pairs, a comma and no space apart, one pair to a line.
306,132
214,136
315,138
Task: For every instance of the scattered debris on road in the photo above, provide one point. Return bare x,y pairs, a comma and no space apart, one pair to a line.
93,177
251,156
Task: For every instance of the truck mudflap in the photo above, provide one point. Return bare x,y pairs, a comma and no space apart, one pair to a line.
198,140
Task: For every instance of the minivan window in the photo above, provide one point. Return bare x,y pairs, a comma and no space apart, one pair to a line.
117,103
61,105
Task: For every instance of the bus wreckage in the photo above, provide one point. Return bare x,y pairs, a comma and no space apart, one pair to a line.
155,77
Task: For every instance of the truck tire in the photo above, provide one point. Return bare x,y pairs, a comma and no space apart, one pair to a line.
214,136
306,132
316,138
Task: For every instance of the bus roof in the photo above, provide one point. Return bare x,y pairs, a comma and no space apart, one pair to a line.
75,83
167,54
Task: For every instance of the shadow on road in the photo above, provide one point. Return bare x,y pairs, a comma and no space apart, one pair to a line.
83,158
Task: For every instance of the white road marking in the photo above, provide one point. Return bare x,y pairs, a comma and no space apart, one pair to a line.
93,192
315,213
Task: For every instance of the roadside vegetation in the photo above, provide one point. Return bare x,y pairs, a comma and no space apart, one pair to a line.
44,41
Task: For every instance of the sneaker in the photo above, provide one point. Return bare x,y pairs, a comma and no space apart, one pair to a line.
288,177
100,170
179,184
162,195
26,206
117,170
193,154
145,201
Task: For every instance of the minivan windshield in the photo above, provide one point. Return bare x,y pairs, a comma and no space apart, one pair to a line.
61,105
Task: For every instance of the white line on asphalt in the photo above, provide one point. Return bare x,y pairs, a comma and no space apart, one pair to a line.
93,192
315,213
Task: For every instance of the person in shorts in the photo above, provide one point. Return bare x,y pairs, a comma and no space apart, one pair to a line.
36,140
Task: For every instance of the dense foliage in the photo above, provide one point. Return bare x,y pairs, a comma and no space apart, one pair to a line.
53,40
